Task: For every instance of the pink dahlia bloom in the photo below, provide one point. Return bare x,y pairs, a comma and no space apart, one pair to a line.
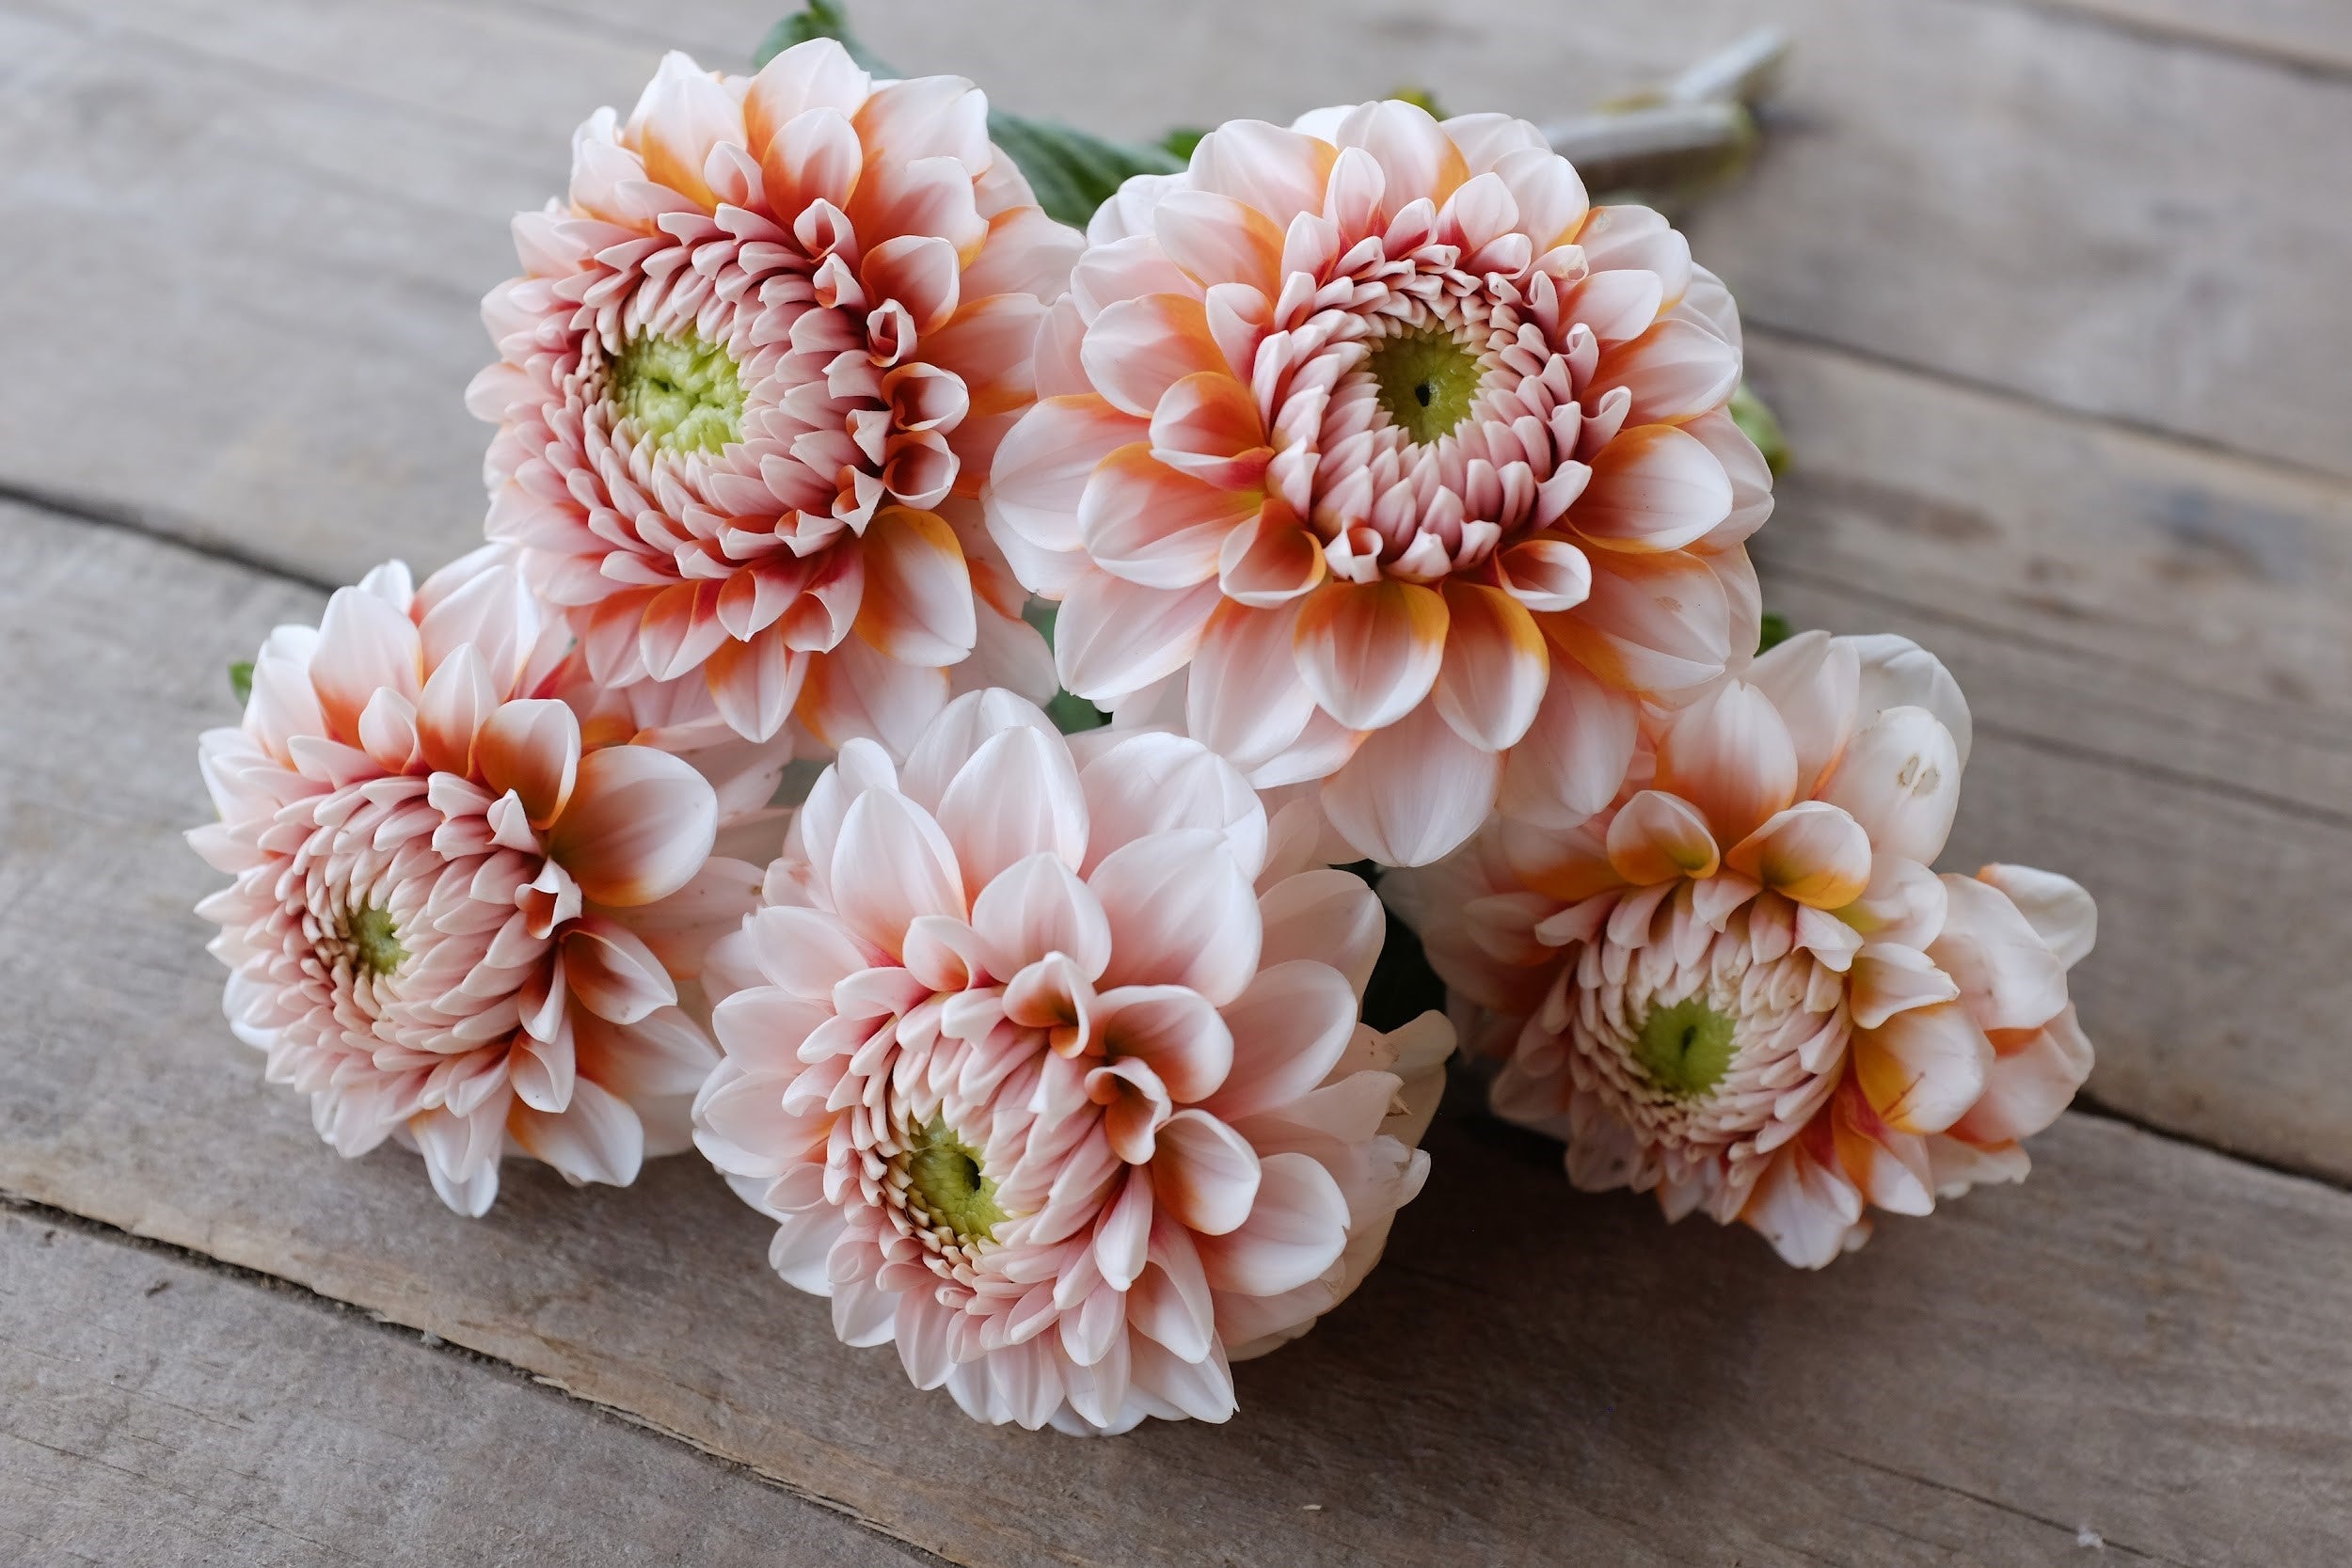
1742,988
1050,1078
1415,466
455,923
749,382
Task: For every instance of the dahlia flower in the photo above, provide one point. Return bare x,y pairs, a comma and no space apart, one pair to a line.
749,379
1046,1061
1416,468
1742,988
457,920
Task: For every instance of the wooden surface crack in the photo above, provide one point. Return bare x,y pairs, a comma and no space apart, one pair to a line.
53,1215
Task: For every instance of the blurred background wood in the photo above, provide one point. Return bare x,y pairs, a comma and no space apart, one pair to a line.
2048,295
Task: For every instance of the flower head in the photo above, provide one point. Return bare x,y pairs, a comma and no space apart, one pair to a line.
749,380
1742,988
1416,466
455,922
1050,1079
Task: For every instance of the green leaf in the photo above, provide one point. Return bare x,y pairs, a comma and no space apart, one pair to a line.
1776,631
1074,171
1071,171
241,679
1179,142
1757,421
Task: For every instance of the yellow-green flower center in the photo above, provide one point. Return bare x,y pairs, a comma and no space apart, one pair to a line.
683,393
1427,378
1684,1049
946,1186
374,940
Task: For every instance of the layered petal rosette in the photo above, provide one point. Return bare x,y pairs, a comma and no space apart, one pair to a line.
1048,1077
1742,988
749,380
455,922
1414,466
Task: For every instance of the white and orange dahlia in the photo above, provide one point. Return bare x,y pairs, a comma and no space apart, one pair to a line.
749,383
1417,468
455,924
1051,1079
1742,988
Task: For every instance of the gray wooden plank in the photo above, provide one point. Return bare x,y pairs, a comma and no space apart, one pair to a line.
2142,1341
262,225
158,1411
2313,35
2159,654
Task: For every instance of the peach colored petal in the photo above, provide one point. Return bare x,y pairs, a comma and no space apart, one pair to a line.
613,973
1658,623
916,606
1205,1173
2056,908
636,826
1653,488
2009,979
532,747
1412,792
1495,668
1218,239
1149,524
1656,837
1574,754
1900,778
1813,853
1729,754
1295,1229
1923,1067
1675,371
1137,349
1282,173
1207,425
1886,980
1181,913
1041,469
1370,652
1114,637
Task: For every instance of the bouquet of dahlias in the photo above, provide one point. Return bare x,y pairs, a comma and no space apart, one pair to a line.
1385,499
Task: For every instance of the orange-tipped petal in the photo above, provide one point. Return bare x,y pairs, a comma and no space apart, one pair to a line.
1729,754
1923,1067
1656,837
638,825
1813,853
1370,652
532,747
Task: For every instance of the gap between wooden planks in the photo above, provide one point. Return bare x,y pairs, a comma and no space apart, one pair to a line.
160,1409
2141,1340
2124,225
2123,611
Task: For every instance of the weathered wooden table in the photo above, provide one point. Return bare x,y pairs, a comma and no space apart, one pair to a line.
2052,295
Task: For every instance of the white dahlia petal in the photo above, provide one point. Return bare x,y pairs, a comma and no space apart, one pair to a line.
1737,984
757,363
1071,1148
1393,388
425,932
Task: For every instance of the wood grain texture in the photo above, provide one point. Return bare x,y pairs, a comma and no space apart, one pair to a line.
2122,607
2156,646
160,1413
263,225
2143,1341
2309,35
